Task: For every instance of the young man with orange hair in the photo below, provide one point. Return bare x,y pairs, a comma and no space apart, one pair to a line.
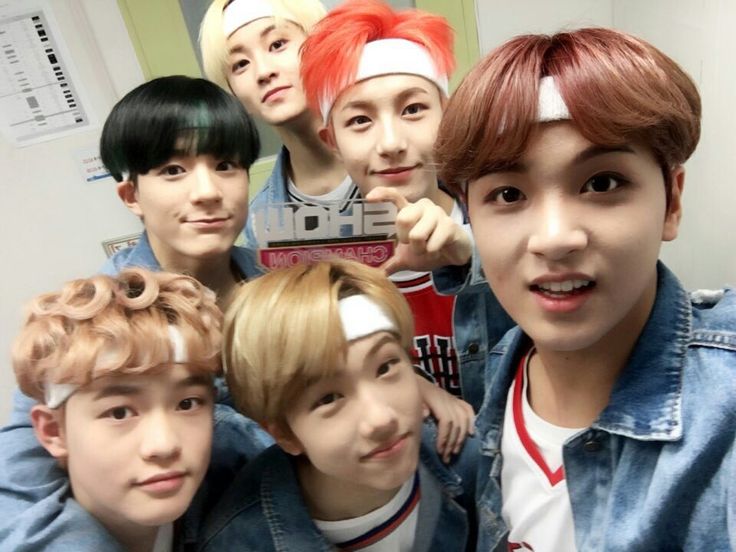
609,420
379,79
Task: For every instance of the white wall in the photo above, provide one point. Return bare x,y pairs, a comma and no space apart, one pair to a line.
700,36
53,222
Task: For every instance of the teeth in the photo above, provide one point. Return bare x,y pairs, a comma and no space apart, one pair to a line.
567,285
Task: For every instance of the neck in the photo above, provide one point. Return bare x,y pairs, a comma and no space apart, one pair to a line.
214,272
135,538
329,499
572,388
314,168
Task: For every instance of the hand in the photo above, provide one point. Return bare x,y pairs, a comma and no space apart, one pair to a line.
427,237
455,418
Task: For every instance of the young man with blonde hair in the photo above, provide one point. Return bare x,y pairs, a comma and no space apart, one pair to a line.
354,467
252,49
123,371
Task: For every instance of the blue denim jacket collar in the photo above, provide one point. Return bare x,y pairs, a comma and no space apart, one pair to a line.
141,254
646,401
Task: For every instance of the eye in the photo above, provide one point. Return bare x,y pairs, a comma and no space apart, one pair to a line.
358,121
239,65
327,399
414,109
386,367
507,195
190,403
119,413
602,183
227,166
277,45
171,170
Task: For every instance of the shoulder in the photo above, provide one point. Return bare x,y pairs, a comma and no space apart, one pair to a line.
117,262
714,318
274,189
238,517
457,477
140,255
245,259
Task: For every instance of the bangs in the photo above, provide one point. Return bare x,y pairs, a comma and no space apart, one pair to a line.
618,89
174,116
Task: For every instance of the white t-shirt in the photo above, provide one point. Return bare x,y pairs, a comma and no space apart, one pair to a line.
164,539
390,528
536,505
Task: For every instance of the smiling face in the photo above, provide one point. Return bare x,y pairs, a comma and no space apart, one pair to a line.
147,437
384,130
193,207
263,61
360,428
569,237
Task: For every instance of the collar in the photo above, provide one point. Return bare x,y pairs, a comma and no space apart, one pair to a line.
646,402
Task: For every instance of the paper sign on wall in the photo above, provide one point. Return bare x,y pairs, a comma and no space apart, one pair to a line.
40,97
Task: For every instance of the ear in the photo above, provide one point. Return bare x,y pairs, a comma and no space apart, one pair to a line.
327,135
674,211
48,425
128,193
285,438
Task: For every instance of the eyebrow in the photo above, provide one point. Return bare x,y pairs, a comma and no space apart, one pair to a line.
314,380
362,104
587,154
238,48
132,389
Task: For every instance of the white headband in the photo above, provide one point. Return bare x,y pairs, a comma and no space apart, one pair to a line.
550,105
362,316
56,394
391,56
241,12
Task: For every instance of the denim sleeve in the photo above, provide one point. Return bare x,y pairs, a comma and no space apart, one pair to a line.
36,509
451,280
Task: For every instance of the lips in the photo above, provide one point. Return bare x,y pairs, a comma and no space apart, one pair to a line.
564,286
395,170
388,449
272,92
162,483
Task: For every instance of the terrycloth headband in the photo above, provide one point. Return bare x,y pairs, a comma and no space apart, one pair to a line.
56,394
550,105
390,56
362,316
241,12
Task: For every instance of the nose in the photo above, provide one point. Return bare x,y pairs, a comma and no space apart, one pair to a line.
392,141
205,187
265,71
160,439
557,231
378,419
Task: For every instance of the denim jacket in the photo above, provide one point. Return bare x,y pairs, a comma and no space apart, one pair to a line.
36,508
479,321
264,510
274,190
656,470
142,255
